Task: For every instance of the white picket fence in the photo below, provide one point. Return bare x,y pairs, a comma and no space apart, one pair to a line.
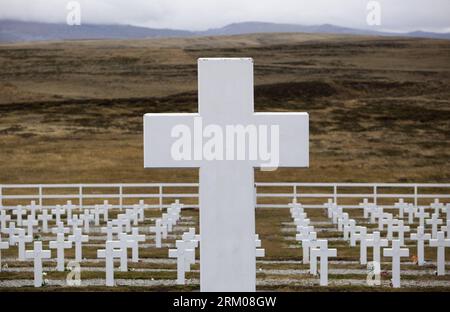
268,195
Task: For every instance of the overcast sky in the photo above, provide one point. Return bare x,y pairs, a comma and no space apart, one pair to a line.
397,15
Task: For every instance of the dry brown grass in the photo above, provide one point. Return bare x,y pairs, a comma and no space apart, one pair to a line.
379,108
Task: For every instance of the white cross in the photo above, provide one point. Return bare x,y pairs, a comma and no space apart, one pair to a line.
60,244
19,211
295,207
331,206
105,208
167,221
420,237
60,228
303,232
37,255
301,220
401,205
141,210
447,211
123,218
385,218
78,239
421,214
44,218
390,227
109,230
33,207
69,207
396,253
368,208
21,239
437,206
337,214
446,228
87,218
176,206
182,254
440,242
11,230
349,229
377,214
191,245
3,245
376,242
125,243
296,211
110,252
96,212
342,221
363,237
410,209
324,253
75,222
135,248
158,229
401,229
4,217
58,211
30,223
225,101
309,241
132,214
434,221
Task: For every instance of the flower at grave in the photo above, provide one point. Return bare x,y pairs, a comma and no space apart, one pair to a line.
414,259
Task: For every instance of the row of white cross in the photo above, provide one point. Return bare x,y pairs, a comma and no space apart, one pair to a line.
115,247
375,214
313,248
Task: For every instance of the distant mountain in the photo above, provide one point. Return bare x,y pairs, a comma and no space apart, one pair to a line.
259,27
16,31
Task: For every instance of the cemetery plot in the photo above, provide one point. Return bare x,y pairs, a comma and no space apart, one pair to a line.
297,249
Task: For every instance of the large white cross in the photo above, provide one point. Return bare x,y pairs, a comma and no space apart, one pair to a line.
226,192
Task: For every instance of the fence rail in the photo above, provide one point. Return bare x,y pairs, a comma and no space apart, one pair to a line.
268,195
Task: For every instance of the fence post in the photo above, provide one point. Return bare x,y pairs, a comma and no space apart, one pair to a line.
375,194
1,196
335,197
80,199
121,197
40,196
295,193
160,197
415,196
